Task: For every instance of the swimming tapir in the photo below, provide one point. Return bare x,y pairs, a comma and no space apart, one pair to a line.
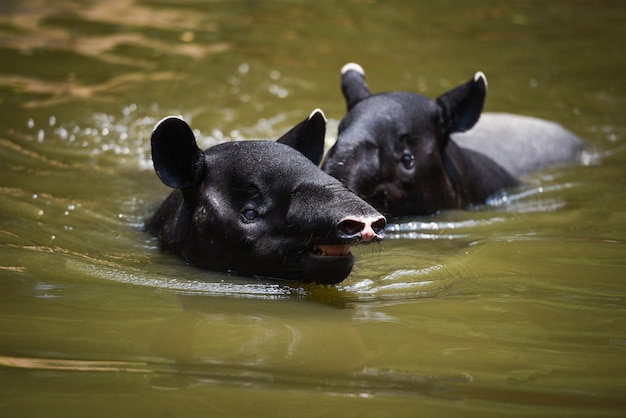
406,154
258,208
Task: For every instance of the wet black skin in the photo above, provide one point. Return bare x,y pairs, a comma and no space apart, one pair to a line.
258,208
396,150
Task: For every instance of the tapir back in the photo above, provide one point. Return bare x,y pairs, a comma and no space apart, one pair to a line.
521,144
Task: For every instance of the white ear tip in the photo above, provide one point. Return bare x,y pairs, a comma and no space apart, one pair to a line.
480,75
318,111
166,118
352,66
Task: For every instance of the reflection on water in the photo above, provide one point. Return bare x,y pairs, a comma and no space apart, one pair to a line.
420,229
516,306
98,34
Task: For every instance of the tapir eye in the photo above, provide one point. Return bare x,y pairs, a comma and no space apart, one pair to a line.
249,214
407,160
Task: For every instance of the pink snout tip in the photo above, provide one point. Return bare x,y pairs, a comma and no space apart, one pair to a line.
365,229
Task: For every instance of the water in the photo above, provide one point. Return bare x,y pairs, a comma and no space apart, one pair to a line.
514,308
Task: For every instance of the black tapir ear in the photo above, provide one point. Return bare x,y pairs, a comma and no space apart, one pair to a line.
461,107
308,136
353,84
177,159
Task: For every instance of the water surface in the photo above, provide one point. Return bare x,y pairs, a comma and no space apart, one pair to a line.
513,308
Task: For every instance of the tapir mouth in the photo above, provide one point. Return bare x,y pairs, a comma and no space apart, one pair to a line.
323,263
339,250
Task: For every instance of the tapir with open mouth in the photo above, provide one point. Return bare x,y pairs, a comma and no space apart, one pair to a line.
259,208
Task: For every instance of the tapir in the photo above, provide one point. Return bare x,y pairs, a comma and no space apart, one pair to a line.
409,155
258,208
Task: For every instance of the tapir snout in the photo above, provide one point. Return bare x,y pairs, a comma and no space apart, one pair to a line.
362,229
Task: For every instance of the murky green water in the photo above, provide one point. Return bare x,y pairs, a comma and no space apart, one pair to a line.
514,309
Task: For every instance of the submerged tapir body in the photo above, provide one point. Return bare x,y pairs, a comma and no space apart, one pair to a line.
258,208
407,154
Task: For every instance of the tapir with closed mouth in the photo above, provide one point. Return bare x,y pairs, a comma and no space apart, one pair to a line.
409,155
258,208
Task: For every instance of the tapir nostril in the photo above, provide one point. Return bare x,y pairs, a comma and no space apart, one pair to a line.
362,229
379,225
349,228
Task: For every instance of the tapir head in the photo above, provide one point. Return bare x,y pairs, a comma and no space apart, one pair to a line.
391,148
259,208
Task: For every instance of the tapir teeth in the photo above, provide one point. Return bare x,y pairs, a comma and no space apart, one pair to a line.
332,250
